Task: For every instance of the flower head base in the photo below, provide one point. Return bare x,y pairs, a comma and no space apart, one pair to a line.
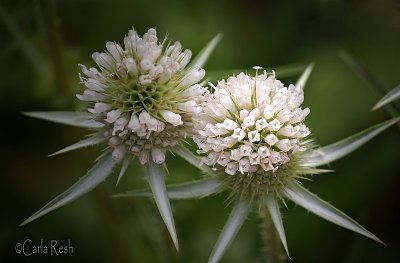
253,128
144,95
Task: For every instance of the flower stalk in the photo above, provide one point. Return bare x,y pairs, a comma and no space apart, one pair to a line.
272,244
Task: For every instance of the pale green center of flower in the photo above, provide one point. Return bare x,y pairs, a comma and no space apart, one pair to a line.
144,94
133,97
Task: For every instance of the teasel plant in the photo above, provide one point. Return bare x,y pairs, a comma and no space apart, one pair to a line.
254,144
141,99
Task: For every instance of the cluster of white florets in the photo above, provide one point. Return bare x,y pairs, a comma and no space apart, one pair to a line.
251,124
144,95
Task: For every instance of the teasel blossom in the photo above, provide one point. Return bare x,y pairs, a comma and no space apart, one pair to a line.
141,98
252,134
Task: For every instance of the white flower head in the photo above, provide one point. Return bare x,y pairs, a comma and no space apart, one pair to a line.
144,95
262,120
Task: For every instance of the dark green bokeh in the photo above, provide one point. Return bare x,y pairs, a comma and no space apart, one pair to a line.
41,43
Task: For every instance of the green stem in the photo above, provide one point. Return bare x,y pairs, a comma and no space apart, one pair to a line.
27,48
273,249
110,224
51,27
155,236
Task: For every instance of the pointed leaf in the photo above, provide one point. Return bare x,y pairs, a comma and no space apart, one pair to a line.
369,78
392,95
202,57
316,205
231,228
273,208
124,167
79,119
301,83
84,143
196,189
157,184
95,176
341,148
192,159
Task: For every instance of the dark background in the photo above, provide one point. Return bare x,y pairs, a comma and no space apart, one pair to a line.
41,43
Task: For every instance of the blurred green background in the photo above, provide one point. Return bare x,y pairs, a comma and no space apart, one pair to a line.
41,43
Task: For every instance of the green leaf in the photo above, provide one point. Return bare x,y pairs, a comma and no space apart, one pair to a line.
280,71
79,119
342,148
369,79
392,95
314,204
231,228
93,140
157,184
27,46
124,167
196,189
301,83
194,160
202,57
273,208
94,177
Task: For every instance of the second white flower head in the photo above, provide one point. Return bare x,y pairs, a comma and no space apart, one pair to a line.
251,124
